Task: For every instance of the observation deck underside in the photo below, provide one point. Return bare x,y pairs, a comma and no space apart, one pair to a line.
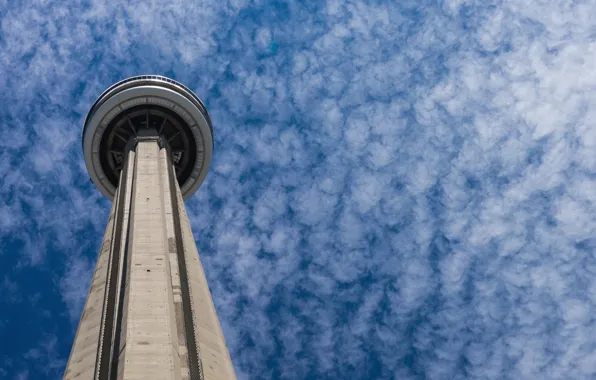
124,129
144,105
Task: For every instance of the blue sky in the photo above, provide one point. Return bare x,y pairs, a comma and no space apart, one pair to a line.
400,190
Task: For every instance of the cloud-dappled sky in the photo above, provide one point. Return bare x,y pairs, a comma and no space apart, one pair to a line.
400,189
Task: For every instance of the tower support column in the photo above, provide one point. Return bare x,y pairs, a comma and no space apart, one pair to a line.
149,313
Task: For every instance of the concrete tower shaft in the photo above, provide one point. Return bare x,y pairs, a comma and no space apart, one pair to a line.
149,312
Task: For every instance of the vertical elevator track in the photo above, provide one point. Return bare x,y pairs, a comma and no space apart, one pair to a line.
102,369
194,361
116,350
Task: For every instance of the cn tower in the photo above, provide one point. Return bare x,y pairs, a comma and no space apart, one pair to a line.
148,143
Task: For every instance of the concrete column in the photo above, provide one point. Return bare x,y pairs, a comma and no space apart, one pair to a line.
149,312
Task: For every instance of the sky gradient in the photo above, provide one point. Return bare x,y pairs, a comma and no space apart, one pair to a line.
399,189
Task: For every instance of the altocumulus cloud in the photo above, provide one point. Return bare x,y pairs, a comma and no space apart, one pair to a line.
399,191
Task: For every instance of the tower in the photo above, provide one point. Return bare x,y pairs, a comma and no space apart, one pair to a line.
147,143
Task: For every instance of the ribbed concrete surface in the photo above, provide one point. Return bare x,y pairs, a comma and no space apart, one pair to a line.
82,361
157,320
212,346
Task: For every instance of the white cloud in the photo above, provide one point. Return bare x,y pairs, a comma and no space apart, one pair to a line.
398,190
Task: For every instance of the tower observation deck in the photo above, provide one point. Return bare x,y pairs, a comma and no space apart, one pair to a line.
147,143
